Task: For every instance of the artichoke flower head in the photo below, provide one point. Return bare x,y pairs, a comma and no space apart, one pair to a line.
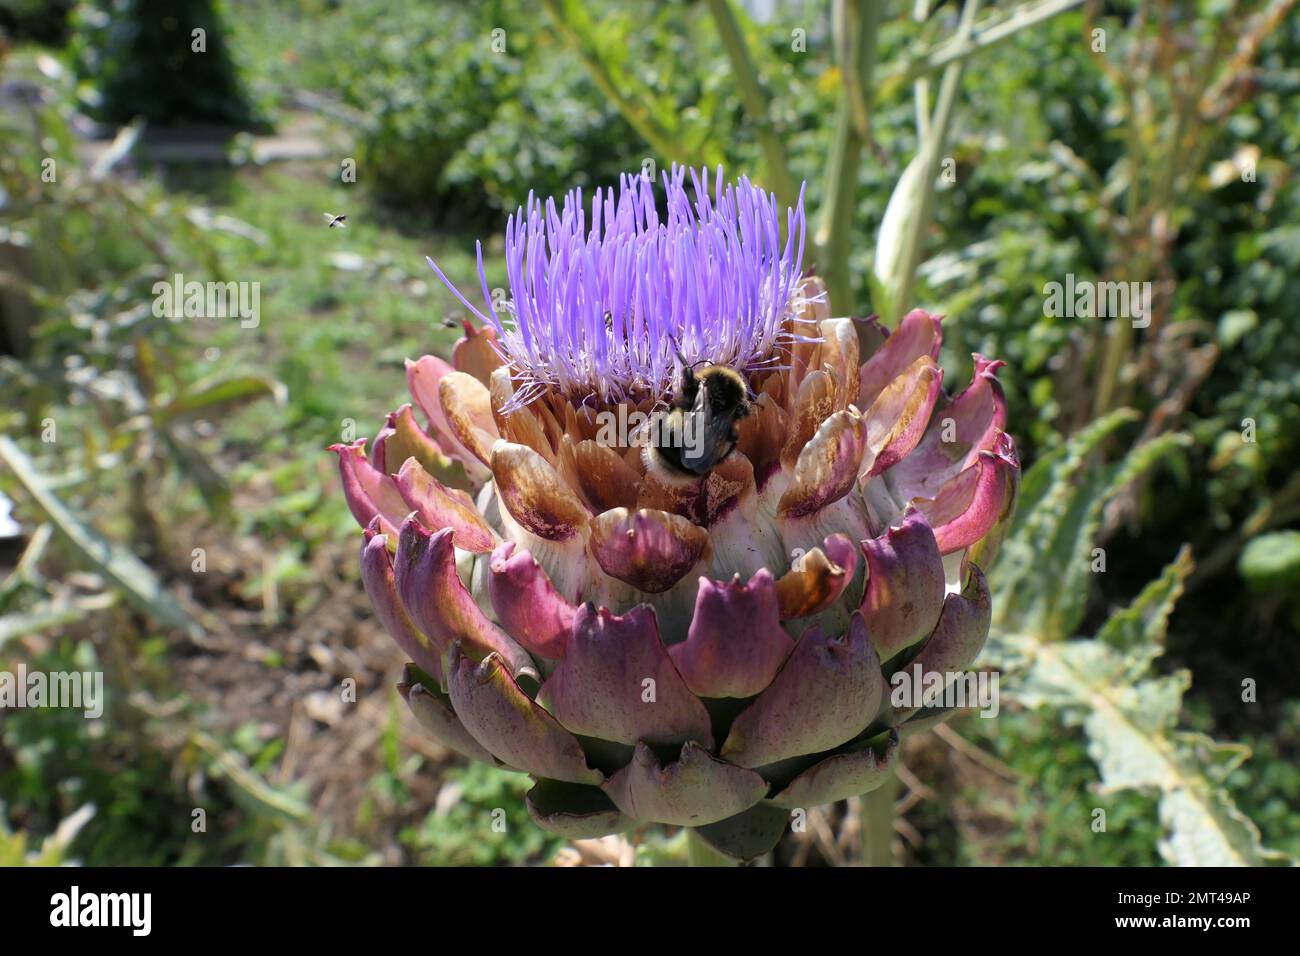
701,650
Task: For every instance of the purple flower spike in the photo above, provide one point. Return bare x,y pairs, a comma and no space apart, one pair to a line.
598,297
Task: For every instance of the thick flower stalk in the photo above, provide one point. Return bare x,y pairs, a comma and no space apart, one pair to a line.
707,651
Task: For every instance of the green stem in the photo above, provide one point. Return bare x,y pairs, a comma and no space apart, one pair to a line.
857,24
754,101
931,154
985,35
701,854
575,29
832,231
857,51
878,823
921,88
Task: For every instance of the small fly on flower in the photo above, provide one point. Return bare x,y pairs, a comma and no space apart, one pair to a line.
334,221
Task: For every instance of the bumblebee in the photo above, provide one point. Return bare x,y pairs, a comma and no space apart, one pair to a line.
699,429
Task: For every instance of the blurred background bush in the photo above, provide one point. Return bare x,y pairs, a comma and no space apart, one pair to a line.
175,523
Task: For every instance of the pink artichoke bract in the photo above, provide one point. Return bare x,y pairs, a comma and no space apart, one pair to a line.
704,651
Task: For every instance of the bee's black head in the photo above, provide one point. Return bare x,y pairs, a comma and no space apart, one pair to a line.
725,390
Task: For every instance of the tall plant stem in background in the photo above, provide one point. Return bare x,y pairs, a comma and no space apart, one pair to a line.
575,27
755,102
1166,149
878,823
902,232
856,26
935,58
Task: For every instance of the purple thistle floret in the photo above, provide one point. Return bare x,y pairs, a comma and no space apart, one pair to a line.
596,312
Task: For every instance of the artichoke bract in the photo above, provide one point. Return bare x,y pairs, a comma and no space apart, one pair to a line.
706,651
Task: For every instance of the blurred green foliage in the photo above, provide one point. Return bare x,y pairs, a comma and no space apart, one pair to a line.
484,823
462,142
42,21
164,60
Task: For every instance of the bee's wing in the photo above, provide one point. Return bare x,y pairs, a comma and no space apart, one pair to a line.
706,436
701,404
